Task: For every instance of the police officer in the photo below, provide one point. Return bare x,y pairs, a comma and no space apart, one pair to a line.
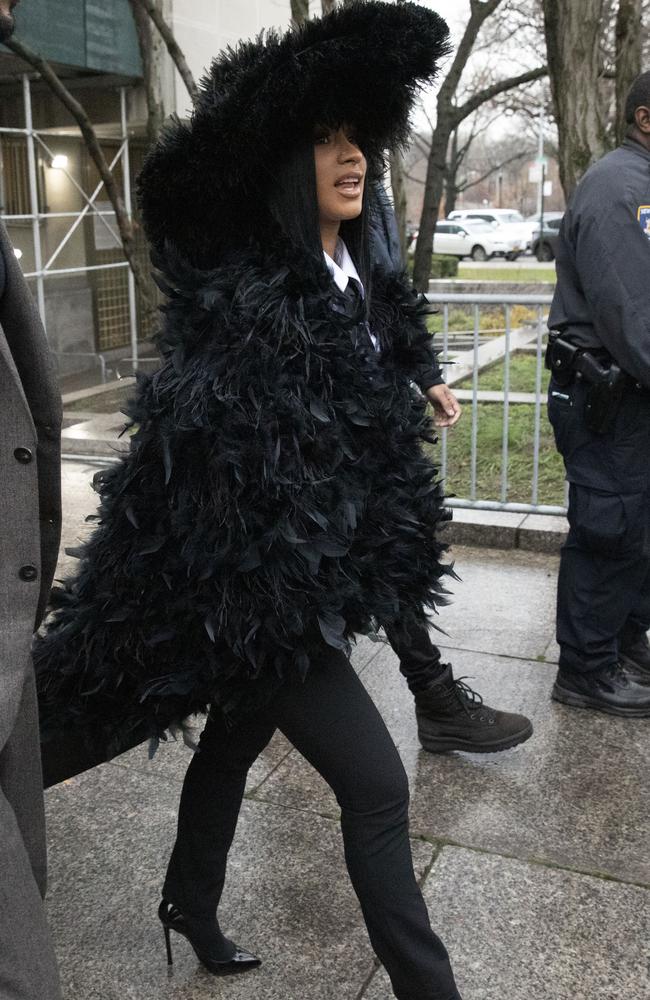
599,406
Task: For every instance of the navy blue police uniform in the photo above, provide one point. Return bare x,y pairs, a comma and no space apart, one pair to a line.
599,407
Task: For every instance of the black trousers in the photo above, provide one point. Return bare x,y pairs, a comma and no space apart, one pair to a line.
419,659
332,721
604,580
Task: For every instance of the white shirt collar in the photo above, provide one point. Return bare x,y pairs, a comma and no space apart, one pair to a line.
341,267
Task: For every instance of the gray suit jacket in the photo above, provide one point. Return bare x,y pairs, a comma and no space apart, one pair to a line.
30,524
30,457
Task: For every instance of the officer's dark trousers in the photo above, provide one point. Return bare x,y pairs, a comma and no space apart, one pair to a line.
334,724
604,581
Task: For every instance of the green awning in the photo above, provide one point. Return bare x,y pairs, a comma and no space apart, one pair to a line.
83,33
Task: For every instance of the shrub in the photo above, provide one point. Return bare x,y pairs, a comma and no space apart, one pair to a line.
442,266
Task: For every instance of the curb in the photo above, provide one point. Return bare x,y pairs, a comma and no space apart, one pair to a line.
542,533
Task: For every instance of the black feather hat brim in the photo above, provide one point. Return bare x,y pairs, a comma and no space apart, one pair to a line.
362,65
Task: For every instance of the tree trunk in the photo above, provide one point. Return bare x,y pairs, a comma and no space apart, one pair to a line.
451,175
148,46
398,185
299,12
328,6
433,189
628,56
174,49
573,37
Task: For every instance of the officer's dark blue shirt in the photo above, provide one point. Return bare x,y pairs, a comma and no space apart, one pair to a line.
602,296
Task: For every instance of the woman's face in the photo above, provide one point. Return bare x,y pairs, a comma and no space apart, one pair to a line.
340,174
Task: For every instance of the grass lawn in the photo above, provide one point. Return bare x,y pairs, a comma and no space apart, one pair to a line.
521,421
520,456
491,319
522,375
487,273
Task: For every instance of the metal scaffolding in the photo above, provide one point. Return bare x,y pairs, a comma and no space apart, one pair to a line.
37,140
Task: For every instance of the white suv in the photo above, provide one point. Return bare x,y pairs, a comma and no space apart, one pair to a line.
508,219
479,241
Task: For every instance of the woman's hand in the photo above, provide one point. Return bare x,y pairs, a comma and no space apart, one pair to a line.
446,408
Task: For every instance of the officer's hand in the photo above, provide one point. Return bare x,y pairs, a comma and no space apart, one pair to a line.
446,408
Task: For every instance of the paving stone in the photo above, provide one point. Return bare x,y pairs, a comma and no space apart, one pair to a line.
577,793
518,931
504,602
287,898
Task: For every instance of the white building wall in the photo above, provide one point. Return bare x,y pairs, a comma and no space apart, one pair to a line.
204,27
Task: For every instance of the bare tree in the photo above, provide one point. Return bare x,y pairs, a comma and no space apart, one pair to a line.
629,37
299,12
176,53
574,35
398,186
449,116
459,149
147,45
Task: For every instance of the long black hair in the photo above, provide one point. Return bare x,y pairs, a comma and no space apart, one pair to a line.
294,205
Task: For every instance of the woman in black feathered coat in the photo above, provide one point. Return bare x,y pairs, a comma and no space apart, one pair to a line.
276,500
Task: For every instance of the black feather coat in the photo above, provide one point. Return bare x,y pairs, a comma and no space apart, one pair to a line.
276,485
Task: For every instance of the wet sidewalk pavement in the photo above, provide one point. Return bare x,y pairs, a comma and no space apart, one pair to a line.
534,862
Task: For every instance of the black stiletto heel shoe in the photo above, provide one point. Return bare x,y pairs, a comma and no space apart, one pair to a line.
173,919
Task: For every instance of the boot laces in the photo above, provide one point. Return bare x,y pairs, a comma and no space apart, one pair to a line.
470,699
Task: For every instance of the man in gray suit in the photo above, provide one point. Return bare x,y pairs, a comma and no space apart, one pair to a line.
30,525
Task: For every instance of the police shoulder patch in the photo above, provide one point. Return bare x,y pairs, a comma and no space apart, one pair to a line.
643,215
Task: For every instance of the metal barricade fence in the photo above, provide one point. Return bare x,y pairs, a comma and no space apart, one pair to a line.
458,318
482,354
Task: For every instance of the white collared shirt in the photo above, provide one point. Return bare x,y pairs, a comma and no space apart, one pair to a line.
342,268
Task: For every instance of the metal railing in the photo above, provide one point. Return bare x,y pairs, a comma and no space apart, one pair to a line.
466,367
495,343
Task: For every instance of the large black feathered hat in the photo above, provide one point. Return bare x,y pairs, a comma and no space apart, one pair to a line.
204,185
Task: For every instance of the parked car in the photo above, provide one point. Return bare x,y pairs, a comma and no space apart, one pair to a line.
506,218
533,222
480,241
543,243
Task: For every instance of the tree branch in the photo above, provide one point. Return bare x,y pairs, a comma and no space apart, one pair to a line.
479,13
463,110
488,173
173,47
422,144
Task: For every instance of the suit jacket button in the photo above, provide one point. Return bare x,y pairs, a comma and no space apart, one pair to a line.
28,573
23,455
